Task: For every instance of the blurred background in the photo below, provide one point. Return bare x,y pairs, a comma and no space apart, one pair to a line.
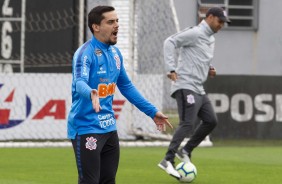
38,39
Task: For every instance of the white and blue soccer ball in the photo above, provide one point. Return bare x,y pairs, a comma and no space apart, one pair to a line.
188,171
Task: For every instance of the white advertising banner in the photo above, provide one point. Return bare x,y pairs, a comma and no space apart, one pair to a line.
36,106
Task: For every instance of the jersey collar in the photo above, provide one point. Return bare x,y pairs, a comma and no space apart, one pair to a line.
101,45
206,28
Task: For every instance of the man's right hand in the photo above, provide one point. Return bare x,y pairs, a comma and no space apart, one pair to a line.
172,76
95,100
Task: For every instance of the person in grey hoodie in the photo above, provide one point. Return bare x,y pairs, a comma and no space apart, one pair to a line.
188,75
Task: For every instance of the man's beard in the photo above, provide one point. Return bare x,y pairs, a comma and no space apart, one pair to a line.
112,43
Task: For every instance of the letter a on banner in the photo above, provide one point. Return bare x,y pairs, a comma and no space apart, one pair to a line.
55,108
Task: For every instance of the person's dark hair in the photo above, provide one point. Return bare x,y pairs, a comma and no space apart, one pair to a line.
95,16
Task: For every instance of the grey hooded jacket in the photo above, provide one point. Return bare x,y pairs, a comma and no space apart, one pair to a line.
196,52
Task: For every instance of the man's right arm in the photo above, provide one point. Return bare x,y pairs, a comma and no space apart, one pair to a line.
181,39
169,55
81,71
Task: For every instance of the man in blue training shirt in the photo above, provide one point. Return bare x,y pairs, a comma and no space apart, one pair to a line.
97,69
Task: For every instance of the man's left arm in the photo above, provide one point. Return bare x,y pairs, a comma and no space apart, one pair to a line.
130,92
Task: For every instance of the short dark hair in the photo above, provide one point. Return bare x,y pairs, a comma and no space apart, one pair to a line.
95,16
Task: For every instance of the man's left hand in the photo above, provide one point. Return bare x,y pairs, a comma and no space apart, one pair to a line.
161,121
212,72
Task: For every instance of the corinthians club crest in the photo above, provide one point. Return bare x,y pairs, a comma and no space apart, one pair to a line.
190,99
91,143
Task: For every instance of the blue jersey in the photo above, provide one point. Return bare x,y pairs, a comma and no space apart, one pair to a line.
100,66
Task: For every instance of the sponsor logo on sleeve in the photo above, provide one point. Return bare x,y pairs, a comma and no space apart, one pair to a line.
84,72
98,52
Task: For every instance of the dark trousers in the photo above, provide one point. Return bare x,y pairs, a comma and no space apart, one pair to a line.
97,157
191,107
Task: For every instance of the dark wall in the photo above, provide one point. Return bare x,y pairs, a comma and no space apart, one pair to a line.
247,106
50,35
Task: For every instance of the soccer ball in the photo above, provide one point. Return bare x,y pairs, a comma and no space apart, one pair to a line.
187,171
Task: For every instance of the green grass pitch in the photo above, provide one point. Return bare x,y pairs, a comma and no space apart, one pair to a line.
224,163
